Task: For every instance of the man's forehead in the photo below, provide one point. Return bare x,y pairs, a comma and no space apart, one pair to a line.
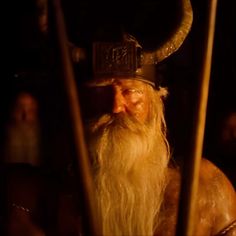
116,81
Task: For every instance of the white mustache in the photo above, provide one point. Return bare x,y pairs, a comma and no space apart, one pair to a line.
117,120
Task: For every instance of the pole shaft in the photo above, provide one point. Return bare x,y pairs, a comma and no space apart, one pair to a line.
190,177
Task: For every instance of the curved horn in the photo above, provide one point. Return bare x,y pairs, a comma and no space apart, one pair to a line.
175,40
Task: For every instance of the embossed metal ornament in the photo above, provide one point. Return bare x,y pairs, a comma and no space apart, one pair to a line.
114,59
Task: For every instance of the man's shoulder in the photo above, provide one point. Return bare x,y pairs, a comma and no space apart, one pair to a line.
218,193
209,173
214,184
216,201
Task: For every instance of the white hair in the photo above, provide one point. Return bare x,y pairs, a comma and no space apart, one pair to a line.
130,163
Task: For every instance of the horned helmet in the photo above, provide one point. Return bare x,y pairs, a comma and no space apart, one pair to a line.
126,58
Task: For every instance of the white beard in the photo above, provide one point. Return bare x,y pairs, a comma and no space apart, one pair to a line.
22,144
130,162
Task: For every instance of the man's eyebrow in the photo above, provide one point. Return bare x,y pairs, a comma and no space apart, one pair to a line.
100,83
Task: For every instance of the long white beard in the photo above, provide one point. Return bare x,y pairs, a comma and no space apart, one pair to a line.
130,163
23,144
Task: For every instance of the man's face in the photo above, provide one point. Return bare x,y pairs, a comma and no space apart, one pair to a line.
42,13
118,96
25,109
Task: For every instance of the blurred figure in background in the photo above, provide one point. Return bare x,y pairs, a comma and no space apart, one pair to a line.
226,146
22,144
21,161
228,135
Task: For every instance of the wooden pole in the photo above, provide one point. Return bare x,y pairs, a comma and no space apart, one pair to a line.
190,177
89,216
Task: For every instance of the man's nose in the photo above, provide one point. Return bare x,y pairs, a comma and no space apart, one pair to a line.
118,102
